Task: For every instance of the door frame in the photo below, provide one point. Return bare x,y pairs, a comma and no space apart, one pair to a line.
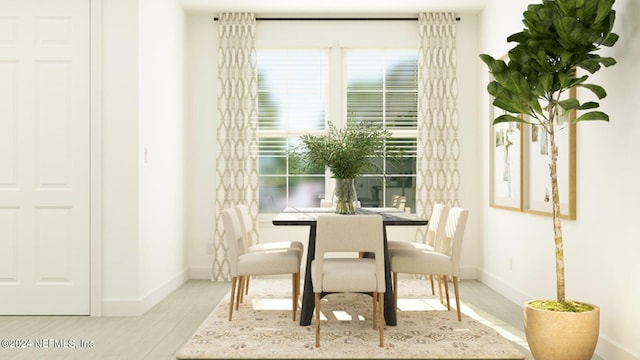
95,166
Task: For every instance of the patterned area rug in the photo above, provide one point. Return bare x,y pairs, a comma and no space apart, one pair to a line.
262,328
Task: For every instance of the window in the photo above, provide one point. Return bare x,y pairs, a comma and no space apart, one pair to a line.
382,88
379,87
292,90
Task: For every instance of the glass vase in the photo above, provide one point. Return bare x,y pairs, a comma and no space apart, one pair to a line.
345,196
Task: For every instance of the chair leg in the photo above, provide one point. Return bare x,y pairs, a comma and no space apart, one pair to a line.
294,295
299,293
446,290
395,291
317,306
233,291
240,291
246,286
455,287
374,296
439,279
381,318
433,290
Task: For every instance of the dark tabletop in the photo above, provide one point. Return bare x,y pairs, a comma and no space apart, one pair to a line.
308,216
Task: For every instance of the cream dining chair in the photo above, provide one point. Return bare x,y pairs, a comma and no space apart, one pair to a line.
435,233
246,225
443,261
269,262
349,233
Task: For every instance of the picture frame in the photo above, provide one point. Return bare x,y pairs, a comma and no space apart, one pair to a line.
505,160
506,164
536,179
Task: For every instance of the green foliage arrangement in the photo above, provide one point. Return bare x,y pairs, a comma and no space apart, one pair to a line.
347,152
560,36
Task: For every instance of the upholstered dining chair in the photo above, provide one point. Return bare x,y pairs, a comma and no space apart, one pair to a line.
247,228
349,233
394,200
326,203
443,261
435,233
269,262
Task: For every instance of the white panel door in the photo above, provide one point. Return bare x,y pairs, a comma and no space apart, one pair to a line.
44,157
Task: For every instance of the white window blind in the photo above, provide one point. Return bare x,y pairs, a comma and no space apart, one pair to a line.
382,87
292,101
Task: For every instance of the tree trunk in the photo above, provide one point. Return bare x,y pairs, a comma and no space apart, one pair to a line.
555,195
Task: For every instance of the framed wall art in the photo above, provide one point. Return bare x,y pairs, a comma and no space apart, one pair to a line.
505,156
536,176
505,160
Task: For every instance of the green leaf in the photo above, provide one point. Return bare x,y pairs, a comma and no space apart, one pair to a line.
610,40
604,8
597,90
507,118
593,115
588,105
576,81
569,104
607,61
546,81
590,65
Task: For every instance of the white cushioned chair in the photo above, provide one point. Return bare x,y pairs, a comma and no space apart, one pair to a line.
443,261
247,227
435,233
244,263
350,233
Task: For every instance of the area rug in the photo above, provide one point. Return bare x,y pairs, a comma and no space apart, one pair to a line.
263,329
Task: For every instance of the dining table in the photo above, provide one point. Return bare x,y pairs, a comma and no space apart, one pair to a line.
308,217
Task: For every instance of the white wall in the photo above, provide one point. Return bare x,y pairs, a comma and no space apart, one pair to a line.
120,146
162,170
201,94
202,109
601,247
143,203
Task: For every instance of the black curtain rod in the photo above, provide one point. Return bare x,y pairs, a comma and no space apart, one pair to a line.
333,19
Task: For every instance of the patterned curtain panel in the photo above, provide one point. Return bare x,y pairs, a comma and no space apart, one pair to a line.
236,164
437,168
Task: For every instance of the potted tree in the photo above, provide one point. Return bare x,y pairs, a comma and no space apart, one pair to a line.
560,37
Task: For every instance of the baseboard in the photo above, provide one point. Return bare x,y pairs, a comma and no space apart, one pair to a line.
503,288
137,307
608,349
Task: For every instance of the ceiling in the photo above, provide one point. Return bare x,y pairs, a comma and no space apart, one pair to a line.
333,7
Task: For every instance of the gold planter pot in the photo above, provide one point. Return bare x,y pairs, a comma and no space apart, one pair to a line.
554,335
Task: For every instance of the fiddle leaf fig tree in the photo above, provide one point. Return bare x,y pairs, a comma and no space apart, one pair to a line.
560,37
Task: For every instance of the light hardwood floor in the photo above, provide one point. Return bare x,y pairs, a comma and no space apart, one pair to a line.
161,332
